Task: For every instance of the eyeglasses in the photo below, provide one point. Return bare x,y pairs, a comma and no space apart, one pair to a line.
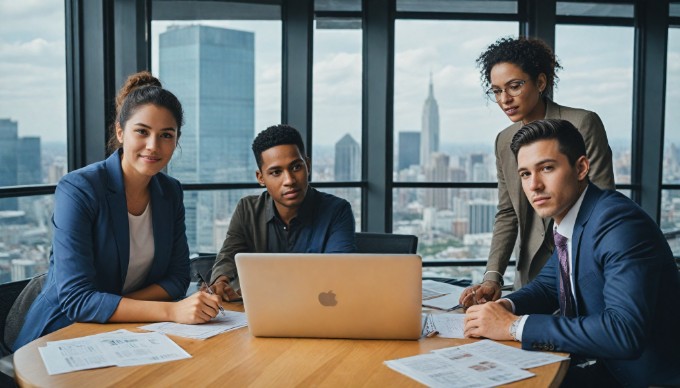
514,89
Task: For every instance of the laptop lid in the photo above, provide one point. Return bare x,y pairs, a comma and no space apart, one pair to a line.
368,296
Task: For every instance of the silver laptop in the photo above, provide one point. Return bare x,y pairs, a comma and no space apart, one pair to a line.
368,296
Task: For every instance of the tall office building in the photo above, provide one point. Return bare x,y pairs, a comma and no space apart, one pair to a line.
409,149
212,72
347,159
438,170
29,161
482,214
429,138
8,160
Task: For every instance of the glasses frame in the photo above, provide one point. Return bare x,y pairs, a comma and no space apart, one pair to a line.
491,95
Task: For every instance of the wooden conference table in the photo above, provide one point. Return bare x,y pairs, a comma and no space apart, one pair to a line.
238,359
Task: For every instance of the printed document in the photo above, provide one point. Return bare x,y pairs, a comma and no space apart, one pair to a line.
225,321
117,348
447,325
483,363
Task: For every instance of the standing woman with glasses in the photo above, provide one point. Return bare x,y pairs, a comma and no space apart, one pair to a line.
519,75
119,251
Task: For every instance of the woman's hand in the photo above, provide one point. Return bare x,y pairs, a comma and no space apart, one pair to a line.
200,307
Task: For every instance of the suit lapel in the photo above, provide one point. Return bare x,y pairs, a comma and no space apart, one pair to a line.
115,198
584,213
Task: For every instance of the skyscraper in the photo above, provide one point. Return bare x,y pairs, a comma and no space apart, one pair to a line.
347,159
482,214
212,72
409,149
438,170
429,138
8,160
29,162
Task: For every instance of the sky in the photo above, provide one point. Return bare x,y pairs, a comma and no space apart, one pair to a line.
596,76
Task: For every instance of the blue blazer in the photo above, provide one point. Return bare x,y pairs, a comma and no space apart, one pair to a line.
91,248
627,295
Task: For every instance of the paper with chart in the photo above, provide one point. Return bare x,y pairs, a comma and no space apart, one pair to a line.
519,358
447,325
435,370
480,364
225,321
117,348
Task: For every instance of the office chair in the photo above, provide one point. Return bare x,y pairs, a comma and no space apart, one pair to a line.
385,243
15,300
202,264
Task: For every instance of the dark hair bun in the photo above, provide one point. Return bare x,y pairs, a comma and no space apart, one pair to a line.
135,81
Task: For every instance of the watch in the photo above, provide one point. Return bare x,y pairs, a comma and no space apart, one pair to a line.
513,329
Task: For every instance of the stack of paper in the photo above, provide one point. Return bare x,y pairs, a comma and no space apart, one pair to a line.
225,321
446,325
440,295
481,364
116,348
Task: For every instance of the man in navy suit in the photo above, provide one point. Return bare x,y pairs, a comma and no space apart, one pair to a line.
617,306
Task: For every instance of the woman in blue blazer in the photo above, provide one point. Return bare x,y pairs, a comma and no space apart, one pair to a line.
119,251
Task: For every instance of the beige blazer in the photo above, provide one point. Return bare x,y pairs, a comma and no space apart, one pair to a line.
515,214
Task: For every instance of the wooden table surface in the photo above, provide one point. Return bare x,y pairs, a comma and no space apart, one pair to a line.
238,359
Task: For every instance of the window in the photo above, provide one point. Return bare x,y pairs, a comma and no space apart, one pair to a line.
598,76
444,132
670,199
224,65
32,130
336,118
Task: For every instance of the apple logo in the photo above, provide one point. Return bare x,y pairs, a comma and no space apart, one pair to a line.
327,299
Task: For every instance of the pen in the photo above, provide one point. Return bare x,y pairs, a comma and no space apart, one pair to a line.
432,334
210,291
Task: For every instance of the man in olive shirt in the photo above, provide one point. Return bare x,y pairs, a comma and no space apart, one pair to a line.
290,216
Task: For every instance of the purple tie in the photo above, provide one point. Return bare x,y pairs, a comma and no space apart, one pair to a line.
566,306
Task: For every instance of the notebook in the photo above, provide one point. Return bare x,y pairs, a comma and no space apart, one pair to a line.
366,296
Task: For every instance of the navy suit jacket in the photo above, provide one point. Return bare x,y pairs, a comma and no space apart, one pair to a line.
627,295
91,248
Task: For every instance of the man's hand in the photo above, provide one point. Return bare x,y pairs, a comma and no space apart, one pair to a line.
490,320
488,291
222,288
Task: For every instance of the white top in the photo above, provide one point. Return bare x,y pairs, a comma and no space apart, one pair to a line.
141,250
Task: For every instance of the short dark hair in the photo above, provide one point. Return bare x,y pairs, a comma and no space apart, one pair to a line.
531,55
274,136
570,141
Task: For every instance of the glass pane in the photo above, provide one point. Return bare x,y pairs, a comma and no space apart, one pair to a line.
598,77
670,218
498,6
437,91
671,163
26,238
336,103
32,94
451,224
227,74
353,196
595,9
674,9
337,5
210,212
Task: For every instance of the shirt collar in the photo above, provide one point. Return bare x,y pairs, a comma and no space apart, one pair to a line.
306,210
566,227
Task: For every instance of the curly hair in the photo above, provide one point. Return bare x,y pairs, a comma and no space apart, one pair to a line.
140,89
274,136
531,55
